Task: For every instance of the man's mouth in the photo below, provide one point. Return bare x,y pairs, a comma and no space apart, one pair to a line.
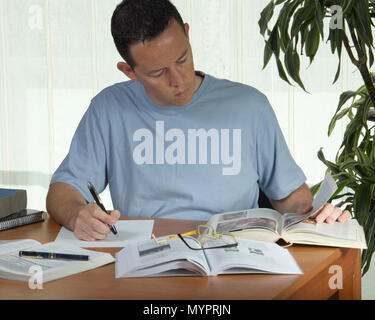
182,93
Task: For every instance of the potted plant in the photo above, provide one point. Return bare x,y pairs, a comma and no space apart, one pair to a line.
299,30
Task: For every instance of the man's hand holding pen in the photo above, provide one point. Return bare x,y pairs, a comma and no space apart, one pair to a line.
92,223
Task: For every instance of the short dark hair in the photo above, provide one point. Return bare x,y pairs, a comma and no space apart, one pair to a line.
139,21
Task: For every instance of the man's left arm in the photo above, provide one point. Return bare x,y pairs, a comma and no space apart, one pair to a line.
300,201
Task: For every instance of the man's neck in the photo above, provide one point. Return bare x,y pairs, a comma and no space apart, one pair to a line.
198,80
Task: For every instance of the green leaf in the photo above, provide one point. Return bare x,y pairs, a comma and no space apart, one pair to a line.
330,165
369,229
349,163
304,14
352,134
362,202
284,19
363,36
365,20
292,65
273,41
267,54
336,39
344,97
337,72
281,70
304,32
337,117
265,17
360,171
312,42
372,156
319,14
371,57
332,39
365,110
362,157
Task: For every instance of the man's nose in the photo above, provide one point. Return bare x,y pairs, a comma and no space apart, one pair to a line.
175,78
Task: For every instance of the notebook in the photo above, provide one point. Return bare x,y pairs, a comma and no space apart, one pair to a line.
21,218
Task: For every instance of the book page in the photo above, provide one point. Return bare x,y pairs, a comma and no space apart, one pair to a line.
173,268
252,255
260,218
341,230
146,258
326,190
7,246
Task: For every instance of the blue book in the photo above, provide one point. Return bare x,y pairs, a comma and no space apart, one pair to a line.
11,201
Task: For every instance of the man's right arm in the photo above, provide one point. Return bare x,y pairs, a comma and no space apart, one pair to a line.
69,208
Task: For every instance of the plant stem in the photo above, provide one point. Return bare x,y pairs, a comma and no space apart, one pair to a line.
350,52
347,6
366,76
361,63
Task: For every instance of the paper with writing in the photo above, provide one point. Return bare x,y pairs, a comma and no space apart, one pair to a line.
128,231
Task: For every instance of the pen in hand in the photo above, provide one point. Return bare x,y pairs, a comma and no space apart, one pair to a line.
99,203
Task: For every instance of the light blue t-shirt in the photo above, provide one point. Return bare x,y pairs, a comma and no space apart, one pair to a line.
207,157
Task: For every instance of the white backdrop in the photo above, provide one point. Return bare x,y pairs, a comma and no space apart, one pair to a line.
55,55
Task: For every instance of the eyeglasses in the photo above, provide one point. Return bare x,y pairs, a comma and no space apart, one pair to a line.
207,235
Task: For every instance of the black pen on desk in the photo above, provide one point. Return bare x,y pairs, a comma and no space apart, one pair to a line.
99,203
52,255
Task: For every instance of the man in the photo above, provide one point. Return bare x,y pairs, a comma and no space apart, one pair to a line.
172,142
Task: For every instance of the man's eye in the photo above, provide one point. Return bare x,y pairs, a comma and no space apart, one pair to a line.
182,61
157,75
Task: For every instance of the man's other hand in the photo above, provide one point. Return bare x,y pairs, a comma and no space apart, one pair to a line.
329,214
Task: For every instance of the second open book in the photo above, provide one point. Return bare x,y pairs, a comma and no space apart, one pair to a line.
269,225
174,258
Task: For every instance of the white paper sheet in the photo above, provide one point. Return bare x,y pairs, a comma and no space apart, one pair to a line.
128,231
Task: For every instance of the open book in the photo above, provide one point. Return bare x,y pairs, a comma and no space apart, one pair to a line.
174,258
13,267
270,225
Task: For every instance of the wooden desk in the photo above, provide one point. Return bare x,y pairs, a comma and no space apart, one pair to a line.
102,284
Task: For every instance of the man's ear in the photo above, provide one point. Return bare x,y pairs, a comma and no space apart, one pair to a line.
187,30
126,69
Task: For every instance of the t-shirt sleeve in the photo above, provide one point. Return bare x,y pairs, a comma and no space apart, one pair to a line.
279,175
86,160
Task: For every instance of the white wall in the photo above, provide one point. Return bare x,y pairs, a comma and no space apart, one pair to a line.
55,55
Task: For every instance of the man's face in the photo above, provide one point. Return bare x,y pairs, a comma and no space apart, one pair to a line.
165,67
